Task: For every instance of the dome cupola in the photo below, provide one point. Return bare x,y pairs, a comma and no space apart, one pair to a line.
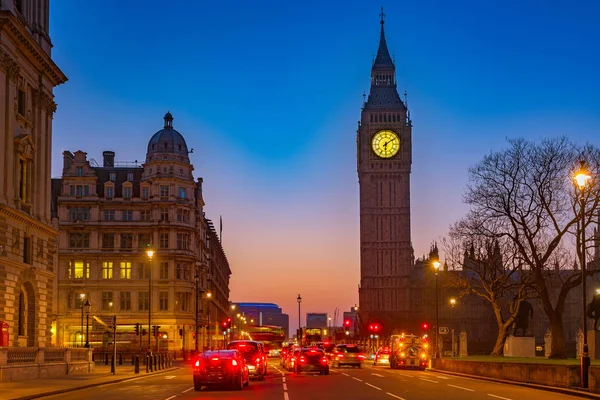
167,144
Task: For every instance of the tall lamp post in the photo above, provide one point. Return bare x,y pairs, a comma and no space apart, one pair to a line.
81,296
436,266
196,279
452,304
299,300
355,320
581,180
150,254
87,307
208,296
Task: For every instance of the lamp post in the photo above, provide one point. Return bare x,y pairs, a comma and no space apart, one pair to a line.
436,266
196,279
150,254
87,307
581,180
208,296
329,324
355,320
299,300
452,304
81,296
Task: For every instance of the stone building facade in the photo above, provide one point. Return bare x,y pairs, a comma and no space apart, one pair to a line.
109,217
27,240
384,158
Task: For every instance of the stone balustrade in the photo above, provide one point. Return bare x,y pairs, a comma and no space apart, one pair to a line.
21,363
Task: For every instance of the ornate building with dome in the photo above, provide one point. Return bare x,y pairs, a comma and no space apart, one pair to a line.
110,216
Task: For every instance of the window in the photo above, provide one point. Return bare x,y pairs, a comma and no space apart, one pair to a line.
78,269
127,192
107,270
110,192
145,193
24,180
143,271
79,214
143,240
183,301
125,270
179,270
125,298
112,176
107,301
143,302
108,240
163,301
21,102
164,213
182,193
145,215
79,171
183,215
130,176
126,240
183,241
164,270
79,240
109,215
27,249
164,190
127,215
80,190
164,240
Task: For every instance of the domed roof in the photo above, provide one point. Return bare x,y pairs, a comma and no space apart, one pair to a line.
167,141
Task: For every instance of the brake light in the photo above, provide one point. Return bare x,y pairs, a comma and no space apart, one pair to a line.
234,363
215,359
324,360
302,360
340,356
197,364
361,356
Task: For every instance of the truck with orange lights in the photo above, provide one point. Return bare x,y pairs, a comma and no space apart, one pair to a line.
409,351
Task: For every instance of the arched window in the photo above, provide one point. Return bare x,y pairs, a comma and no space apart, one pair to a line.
21,322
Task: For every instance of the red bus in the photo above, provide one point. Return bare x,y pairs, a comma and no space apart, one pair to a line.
271,336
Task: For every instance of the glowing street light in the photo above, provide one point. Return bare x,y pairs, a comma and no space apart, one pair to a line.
436,266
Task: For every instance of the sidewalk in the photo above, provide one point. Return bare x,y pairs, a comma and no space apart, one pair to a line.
35,388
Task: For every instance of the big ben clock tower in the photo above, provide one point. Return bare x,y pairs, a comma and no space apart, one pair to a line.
384,141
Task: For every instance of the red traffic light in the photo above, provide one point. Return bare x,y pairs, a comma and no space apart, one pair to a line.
347,322
425,325
225,324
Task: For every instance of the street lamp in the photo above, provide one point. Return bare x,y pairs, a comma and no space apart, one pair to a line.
299,300
436,266
355,320
150,254
87,307
581,180
452,304
81,296
208,296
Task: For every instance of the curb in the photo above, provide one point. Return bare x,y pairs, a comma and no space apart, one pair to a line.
72,389
556,389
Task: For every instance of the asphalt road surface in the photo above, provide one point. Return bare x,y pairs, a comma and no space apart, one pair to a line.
367,383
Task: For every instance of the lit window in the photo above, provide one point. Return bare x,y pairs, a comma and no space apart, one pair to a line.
125,272
107,270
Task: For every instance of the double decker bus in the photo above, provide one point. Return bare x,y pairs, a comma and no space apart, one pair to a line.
271,336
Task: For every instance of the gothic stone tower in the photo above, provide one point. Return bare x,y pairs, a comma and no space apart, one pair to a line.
384,162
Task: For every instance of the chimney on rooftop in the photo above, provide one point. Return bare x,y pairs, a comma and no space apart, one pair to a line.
109,158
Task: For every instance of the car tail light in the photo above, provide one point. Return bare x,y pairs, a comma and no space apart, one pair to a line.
340,356
197,363
302,360
215,359
361,356
324,360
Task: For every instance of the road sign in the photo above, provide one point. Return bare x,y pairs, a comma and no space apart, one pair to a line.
443,330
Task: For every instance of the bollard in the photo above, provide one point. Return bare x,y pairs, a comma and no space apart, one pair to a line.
162,359
155,362
147,364
112,364
120,358
105,358
136,360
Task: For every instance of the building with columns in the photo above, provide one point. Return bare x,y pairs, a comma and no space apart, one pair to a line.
384,158
27,239
109,217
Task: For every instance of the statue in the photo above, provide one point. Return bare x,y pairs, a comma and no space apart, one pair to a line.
522,318
593,310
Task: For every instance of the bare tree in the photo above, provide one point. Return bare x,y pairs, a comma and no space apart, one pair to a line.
491,269
526,194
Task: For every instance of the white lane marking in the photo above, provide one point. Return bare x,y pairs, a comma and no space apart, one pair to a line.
499,397
428,380
170,377
283,379
360,380
463,388
381,376
373,386
440,377
185,391
408,376
285,386
345,374
286,396
172,397
393,395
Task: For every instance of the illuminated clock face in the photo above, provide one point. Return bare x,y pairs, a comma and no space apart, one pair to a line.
386,144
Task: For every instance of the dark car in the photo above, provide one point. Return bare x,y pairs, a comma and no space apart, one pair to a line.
311,360
253,355
220,368
347,354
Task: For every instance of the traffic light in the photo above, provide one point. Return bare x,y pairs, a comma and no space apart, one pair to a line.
155,329
228,322
425,326
347,323
144,332
137,329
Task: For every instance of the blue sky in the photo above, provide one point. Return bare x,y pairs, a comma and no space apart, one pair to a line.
268,93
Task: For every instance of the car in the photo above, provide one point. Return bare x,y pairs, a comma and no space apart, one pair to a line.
291,358
347,354
382,357
253,355
220,368
284,354
311,360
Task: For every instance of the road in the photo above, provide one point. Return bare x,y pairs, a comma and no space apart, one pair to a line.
368,383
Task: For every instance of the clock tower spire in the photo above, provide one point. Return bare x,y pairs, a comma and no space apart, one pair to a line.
384,144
